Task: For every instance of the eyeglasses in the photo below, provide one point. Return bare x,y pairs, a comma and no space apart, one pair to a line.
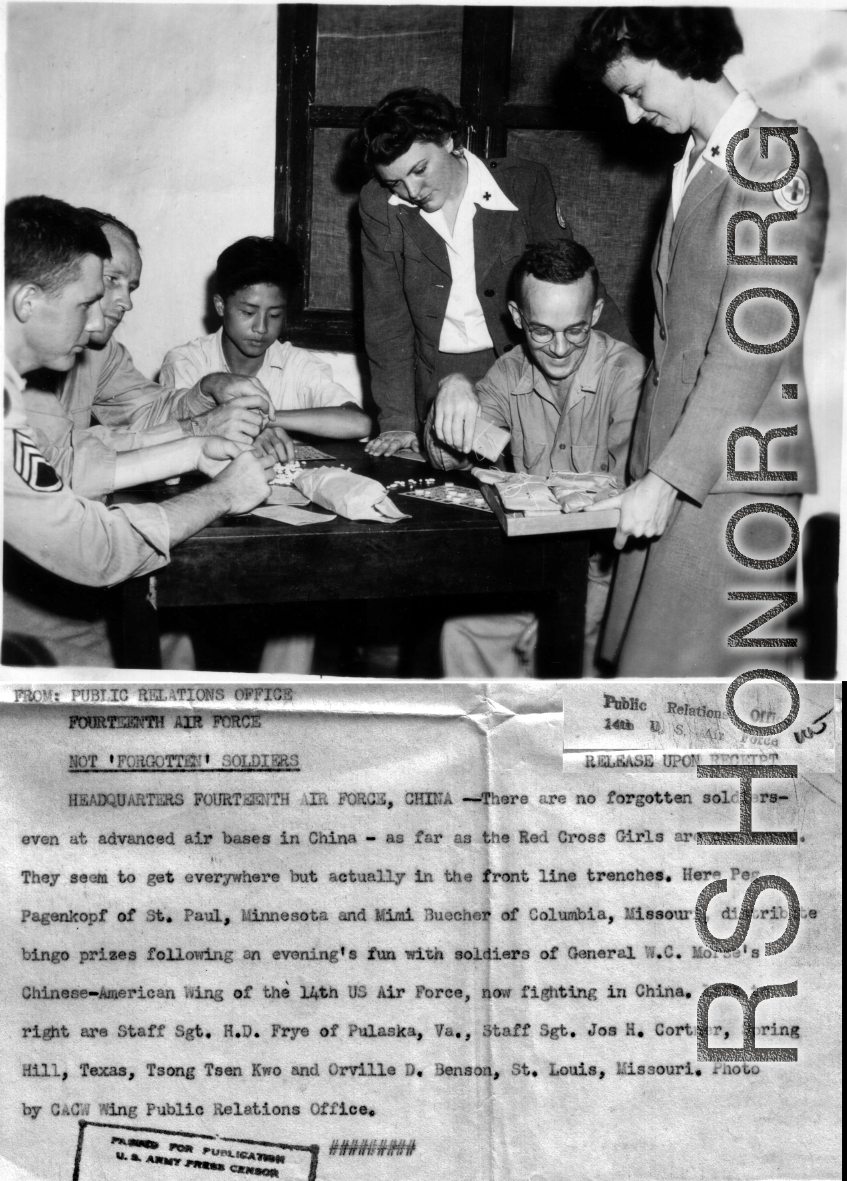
541,334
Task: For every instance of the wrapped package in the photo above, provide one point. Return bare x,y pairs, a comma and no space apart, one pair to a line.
566,492
347,494
576,490
488,440
528,494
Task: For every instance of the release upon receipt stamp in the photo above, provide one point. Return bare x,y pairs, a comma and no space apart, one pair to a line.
112,1152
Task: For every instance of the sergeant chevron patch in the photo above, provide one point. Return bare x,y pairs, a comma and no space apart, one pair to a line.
32,467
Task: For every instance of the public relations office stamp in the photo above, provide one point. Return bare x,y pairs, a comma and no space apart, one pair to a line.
113,1152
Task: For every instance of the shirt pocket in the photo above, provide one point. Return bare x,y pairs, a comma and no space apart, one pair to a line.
584,458
530,453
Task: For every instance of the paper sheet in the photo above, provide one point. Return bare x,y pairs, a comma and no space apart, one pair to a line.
291,515
417,931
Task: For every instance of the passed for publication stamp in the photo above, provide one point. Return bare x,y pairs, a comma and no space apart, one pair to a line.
112,1152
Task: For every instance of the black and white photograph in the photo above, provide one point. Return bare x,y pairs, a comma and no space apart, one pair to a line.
435,341
419,689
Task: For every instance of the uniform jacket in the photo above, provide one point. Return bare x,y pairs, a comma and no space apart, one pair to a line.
669,614
81,540
407,282
702,385
59,547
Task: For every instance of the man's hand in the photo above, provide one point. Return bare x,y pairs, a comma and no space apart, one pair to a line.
223,387
645,506
390,441
273,440
456,412
214,453
240,419
244,482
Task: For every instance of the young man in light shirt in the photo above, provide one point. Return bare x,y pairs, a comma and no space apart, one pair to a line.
252,281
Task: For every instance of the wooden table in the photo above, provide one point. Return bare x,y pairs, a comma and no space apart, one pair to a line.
440,550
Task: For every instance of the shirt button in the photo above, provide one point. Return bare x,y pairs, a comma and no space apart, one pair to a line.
489,291
661,334
604,467
493,164
655,379
563,446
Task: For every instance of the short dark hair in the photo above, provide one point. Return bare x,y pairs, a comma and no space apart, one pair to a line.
45,241
562,261
109,219
388,130
255,260
693,42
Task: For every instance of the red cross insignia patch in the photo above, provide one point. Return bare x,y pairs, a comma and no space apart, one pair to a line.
32,467
796,195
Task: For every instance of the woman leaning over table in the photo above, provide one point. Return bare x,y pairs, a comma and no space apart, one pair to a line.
441,233
669,613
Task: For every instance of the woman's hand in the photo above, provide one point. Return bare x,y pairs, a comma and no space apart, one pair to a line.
645,506
391,441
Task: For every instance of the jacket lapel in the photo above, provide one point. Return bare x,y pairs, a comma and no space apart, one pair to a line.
490,229
663,247
705,182
424,237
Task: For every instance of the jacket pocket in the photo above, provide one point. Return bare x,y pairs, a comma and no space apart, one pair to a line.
691,362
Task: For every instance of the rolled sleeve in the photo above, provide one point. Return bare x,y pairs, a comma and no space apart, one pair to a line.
493,393
126,398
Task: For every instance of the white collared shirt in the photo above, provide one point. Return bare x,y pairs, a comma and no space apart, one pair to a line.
740,113
464,329
294,378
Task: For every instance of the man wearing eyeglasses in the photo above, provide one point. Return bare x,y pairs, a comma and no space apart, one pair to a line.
568,399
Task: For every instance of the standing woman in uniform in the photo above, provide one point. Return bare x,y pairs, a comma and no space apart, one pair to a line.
669,613
441,234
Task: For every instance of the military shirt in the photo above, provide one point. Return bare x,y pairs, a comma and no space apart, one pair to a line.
81,540
586,430
132,411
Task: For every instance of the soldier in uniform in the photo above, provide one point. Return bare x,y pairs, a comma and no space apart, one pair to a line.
55,540
669,613
132,411
568,398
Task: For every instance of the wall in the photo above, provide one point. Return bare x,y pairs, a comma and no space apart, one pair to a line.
161,114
